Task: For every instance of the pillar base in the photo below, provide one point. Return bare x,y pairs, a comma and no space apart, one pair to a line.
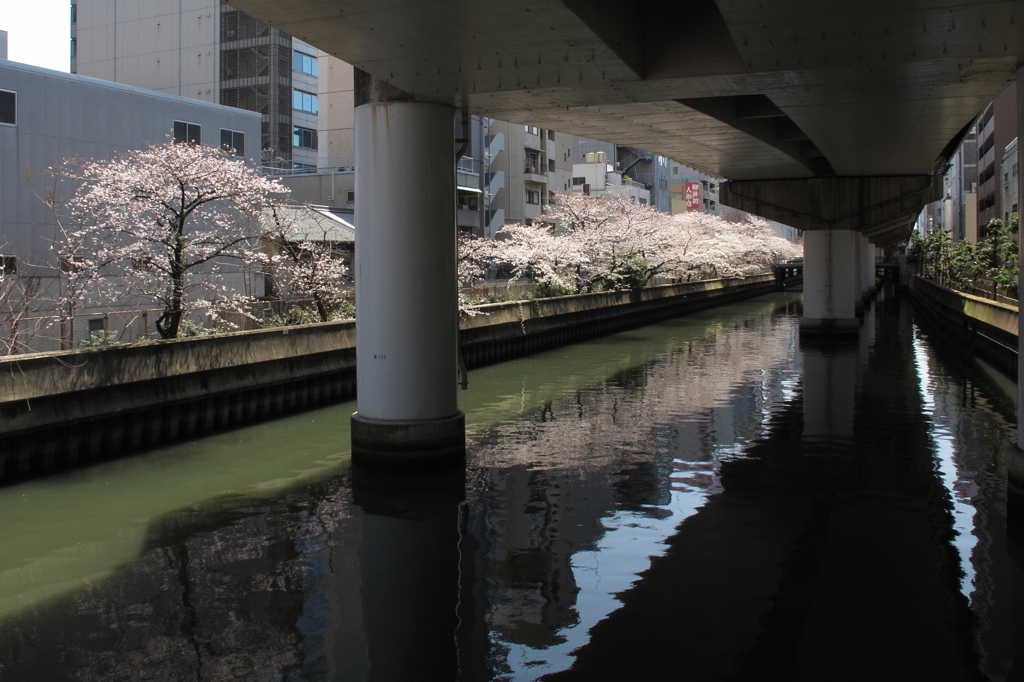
829,326
408,443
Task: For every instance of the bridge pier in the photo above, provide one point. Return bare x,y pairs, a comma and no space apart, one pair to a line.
405,263
869,265
831,281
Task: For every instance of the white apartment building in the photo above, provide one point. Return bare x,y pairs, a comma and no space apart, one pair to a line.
520,167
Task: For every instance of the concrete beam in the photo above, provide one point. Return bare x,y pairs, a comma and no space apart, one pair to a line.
859,204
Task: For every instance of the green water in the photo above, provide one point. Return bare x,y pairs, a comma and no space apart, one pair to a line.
62,531
708,498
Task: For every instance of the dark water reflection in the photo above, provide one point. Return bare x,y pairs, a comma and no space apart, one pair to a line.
705,499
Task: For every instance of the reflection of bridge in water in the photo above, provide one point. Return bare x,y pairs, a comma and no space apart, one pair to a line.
706,498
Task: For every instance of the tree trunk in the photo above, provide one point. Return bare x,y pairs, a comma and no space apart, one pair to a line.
321,309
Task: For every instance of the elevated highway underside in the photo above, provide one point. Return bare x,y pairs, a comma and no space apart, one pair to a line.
837,118
749,91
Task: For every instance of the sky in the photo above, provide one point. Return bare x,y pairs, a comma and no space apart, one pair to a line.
38,32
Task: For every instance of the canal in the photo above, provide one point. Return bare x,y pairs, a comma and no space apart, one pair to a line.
703,499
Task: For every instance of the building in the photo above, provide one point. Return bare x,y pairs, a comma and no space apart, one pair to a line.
47,116
521,167
694,190
207,50
959,214
1010,170
652,171
996,127
597,177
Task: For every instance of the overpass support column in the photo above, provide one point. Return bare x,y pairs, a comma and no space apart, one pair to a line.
407,329
869,265
830,281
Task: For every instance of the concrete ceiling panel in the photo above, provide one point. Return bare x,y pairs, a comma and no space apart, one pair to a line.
879,87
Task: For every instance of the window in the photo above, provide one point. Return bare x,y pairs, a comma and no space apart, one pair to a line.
305,63
142,264
551,165
532,130
72,264
576,182
95,324
532,163
675,170
466,164
662,184
351,196
8,107
74,47
305,101
532,196
74,13
8,266
232,139
187,132
551,135
305,138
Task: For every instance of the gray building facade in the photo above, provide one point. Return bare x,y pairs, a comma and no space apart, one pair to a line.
47,116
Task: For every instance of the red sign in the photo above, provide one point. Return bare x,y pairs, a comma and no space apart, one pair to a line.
692,196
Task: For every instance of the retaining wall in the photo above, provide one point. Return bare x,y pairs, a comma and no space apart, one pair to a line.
981,327
64,408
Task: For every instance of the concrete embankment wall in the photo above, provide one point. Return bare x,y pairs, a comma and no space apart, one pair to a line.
977,326
63,408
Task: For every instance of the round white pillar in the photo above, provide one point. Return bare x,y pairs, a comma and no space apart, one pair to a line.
830,281
406,287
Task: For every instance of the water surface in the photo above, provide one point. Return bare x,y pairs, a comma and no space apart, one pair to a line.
702,499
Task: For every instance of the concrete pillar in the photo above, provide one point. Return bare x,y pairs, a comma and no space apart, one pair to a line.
869,265
830,281
858,269
407,330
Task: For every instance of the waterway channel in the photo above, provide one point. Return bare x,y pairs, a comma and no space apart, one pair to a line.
702,499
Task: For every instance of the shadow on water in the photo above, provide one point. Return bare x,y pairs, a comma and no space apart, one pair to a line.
707,499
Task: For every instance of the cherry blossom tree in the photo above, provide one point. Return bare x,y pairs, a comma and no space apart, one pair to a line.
591,244
302,259
19,302
162,226
63,279
626,244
